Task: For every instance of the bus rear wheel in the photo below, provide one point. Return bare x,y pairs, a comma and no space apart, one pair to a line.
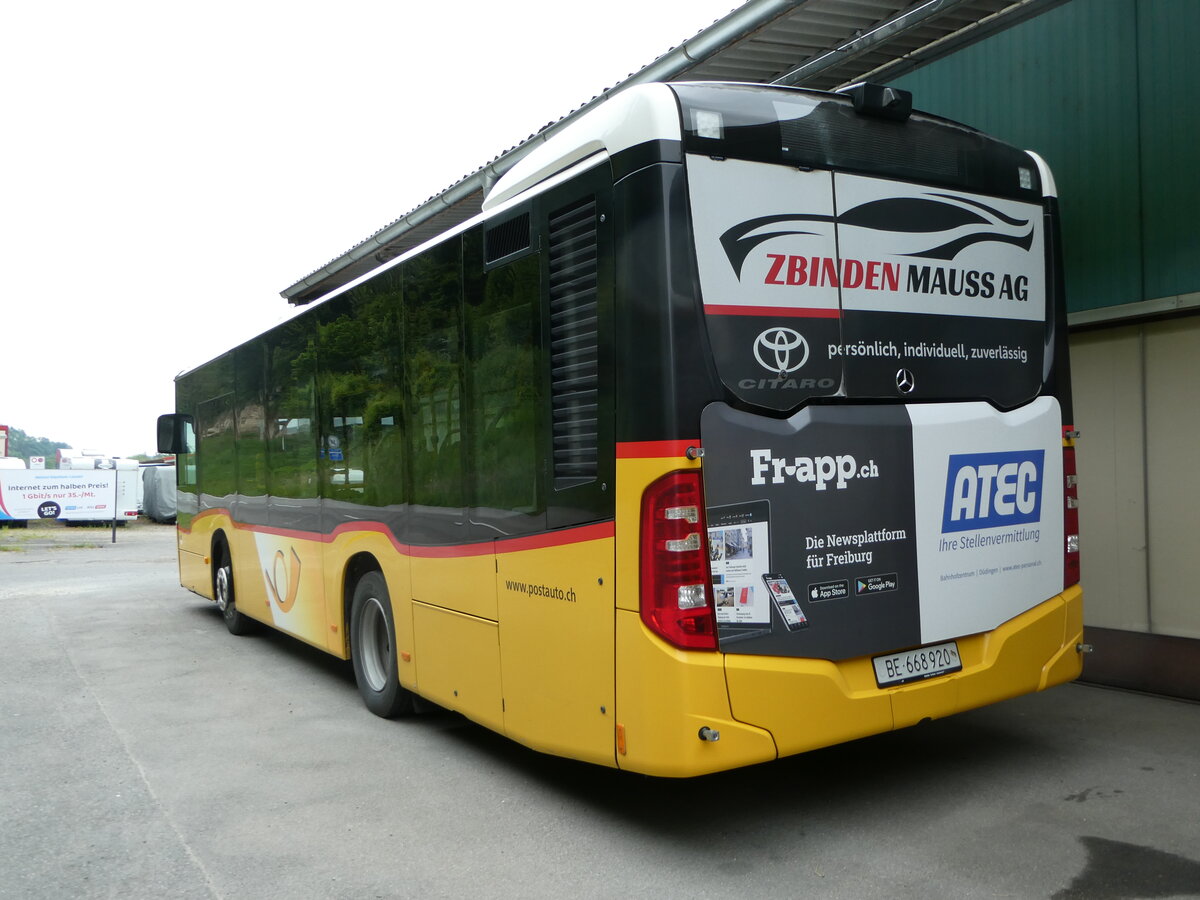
224,595
373,649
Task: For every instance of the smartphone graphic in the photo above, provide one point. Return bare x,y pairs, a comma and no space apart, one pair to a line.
786,602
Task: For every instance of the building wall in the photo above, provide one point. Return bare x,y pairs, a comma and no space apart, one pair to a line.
1106,91
1135,403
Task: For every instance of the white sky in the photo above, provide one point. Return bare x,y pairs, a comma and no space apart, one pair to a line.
168,168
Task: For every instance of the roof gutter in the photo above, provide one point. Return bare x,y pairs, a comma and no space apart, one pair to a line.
737,25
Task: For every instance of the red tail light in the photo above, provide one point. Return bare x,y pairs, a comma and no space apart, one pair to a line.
1071,509
677,597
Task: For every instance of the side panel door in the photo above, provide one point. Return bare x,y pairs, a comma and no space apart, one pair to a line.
555,589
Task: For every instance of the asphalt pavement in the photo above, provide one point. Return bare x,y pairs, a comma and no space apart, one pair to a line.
146,752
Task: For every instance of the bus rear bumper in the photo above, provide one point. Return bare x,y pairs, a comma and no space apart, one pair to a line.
809,703
665,696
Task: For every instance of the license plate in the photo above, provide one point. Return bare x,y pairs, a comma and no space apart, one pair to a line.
916,665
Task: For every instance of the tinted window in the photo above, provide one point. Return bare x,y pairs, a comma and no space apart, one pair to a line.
290,410
215,428
433,351
505,401
814,130
251,421
361,408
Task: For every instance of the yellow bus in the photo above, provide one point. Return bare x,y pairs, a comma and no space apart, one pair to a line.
737,424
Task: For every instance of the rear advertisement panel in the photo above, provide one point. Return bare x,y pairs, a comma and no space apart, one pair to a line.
770,315
851,530
816,282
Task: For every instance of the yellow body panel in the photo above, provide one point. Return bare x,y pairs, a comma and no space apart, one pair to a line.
395,567
458,663
466,584
665,696
808,703
1067,664
195,545
250,591
556,647
563,662
194,572
286,586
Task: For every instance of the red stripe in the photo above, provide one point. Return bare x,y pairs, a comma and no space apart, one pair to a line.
565,537
582,534
783,312
653,449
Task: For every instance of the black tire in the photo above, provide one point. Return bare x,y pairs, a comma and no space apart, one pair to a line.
373,649
223,593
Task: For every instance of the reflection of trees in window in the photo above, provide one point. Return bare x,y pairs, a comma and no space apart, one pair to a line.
362,441
185,472
433,338
215,428
251,421
505,382
291,361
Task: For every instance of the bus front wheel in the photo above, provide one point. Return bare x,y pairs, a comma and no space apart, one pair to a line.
373,649
223,594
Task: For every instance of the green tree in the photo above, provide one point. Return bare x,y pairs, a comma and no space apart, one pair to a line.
22,445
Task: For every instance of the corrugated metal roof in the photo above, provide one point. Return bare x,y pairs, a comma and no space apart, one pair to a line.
821,44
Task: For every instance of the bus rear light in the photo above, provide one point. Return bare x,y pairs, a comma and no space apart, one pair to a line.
692,596
691,542
676,585
687,513
1070,509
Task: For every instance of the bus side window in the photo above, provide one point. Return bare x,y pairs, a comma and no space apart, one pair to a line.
251,424
217,447
359,396
291,408
433,370
505,396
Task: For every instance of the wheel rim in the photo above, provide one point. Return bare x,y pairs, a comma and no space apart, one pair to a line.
223,588
374,643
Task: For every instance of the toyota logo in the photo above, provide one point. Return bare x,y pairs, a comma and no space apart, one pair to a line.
781,350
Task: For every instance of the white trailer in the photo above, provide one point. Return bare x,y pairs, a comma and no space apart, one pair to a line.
79,492
128,488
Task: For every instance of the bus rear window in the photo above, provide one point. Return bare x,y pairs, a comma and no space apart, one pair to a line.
822,131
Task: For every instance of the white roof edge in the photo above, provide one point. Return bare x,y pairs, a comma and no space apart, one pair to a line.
1049,188
495,209
644,112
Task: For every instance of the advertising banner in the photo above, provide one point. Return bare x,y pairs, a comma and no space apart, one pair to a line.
818,283
846,531
57,494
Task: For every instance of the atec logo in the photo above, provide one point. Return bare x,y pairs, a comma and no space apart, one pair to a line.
781,350
992,490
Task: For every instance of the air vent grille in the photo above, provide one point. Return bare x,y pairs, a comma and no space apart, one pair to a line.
574,344
507,238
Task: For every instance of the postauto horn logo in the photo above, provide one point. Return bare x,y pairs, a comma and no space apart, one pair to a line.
993,490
